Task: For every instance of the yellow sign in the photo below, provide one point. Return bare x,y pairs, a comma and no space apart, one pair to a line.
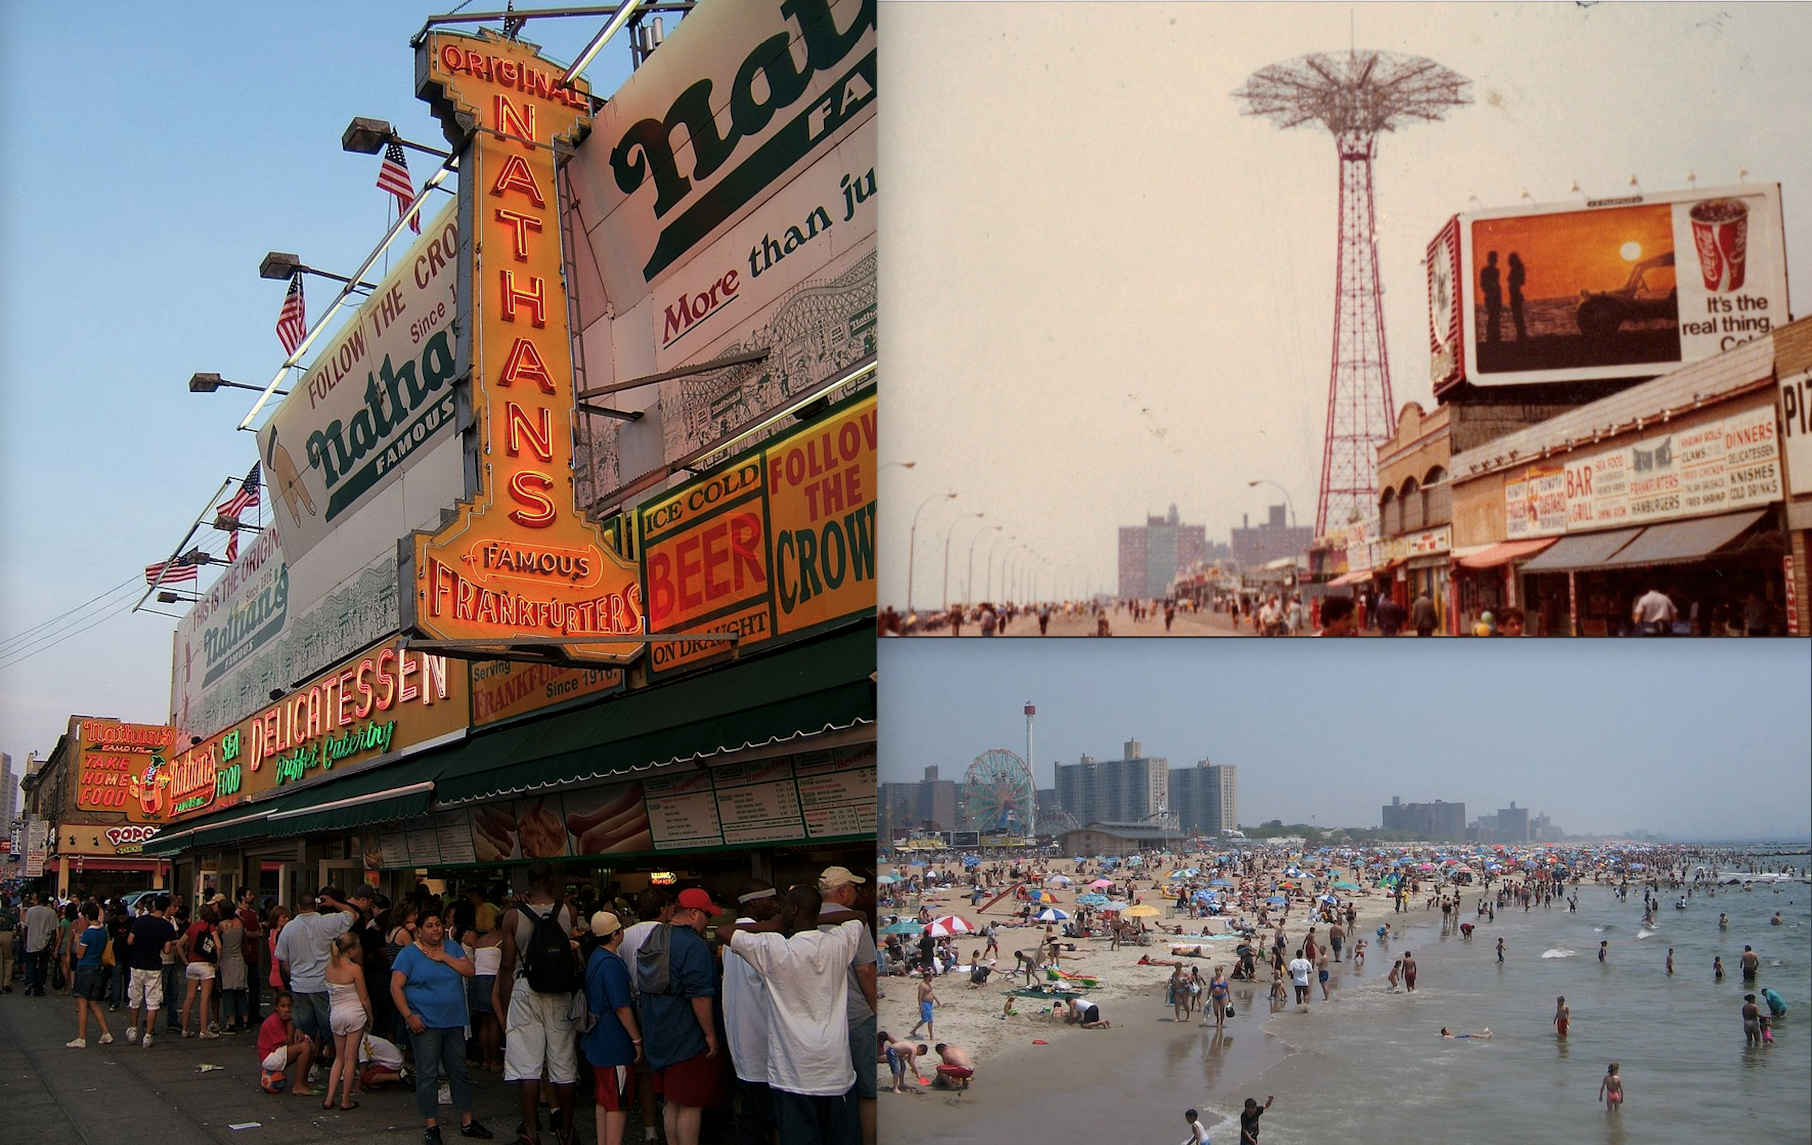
518,560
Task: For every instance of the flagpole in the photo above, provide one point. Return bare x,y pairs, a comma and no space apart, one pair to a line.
186,538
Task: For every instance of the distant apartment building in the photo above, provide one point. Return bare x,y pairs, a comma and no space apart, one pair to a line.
906,807
1205,798
1437,820
1151,555
9,794
1255,545
1130,789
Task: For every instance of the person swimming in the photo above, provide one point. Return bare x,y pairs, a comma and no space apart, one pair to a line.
1483,1033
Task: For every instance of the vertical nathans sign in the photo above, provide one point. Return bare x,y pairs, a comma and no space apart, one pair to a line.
518,559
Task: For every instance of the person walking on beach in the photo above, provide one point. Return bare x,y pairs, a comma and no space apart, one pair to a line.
1321,971
1610,1090
89,982
1396,971
1218,994
928,1001
1300,969
1336,938
1604,948
1500,950
1248,1119
1409,972
1563,1016
1670,962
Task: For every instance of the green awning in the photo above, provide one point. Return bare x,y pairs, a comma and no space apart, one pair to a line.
812,688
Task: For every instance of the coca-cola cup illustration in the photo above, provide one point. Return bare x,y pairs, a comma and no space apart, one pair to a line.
1720,232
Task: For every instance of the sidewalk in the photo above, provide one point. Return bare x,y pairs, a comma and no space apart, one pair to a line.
124,1094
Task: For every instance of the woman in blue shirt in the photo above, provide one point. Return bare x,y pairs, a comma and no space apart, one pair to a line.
428,985
90,986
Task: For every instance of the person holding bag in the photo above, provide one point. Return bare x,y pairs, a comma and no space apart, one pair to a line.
90,947
200,950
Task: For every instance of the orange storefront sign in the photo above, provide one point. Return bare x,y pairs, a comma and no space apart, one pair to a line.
120,765
519,560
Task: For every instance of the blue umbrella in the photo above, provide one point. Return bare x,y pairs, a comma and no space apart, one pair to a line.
902,927
1204,896
1220,882
1276,899
1093,900
971,861
1051,914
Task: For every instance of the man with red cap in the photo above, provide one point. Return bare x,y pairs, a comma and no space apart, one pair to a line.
678,1024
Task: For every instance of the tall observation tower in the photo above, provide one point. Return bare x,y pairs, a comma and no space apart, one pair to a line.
1354,96
1032,767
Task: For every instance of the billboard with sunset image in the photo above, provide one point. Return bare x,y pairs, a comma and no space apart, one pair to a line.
1630,288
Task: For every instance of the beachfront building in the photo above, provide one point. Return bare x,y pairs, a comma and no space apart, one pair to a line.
1432,821
1254,546
1151,555
1130,789
1205,798
928,803
1119,839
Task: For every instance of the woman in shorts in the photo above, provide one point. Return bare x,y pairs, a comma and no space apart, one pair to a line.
200,949
90,980
487,959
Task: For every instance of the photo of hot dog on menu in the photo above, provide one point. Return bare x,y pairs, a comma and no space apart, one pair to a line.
608,820
493,834
540,828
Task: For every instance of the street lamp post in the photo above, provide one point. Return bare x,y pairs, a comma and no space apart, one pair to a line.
969,583
912,543
948,533
988,590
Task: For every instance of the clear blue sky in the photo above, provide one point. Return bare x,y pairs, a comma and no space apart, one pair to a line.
154,153
1690,737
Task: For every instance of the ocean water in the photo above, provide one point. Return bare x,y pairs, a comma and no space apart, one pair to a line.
1371,1064
1679,1041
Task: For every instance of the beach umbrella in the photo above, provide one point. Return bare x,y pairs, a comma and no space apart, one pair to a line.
1142,911
1329,898
1114,905
1100,883
945,925
971,861
1277,900
885,880
1044,896
904,926
1220,882
1343,885
1204,896
1059,880
1179,874
1092,900
1051,914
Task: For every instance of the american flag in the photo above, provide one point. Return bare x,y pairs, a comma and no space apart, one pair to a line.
292,320
171,572
247,495
393,176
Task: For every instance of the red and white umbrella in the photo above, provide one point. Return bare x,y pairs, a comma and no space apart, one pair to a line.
945,925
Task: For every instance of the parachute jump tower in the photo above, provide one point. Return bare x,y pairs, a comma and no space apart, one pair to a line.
1354,97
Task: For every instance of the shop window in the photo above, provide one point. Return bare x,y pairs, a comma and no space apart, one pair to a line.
1411,498
1437,498
1390,514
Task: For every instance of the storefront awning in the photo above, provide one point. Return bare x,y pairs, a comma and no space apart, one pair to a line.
1677,541
1503,553
1581,551
813,688
1344,579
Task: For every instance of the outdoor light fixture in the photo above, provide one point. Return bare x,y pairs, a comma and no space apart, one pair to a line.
208,383
228,524
283,265
277,694
365,136
167,597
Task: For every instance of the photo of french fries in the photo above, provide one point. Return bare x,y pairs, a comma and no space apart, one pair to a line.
493,834
540,828
608,820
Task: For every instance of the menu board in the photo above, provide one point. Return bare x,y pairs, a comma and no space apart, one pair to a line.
453,835
682,812
837,793
423,845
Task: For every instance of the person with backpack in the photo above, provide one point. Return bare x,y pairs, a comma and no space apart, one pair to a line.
541,971
676,981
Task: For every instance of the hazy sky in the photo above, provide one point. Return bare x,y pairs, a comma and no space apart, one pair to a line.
154,153
1690,737
1106,290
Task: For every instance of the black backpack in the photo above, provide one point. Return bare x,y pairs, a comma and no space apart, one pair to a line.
652,958
548,962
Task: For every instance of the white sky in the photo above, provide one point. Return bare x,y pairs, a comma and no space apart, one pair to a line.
1105,290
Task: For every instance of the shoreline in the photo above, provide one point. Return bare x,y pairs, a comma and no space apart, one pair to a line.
1080,1069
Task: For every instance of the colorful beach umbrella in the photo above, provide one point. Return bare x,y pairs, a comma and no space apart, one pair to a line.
1098,884
1092,900
1051,914
1142,911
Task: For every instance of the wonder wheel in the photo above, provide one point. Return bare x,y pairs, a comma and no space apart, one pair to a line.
997,793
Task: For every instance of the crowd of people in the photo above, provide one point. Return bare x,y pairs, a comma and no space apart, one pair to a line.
350,992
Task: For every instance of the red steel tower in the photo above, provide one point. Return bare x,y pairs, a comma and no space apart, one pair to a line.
1354,96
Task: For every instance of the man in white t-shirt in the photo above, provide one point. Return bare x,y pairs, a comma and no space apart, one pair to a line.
745,995
1653,614
807,972
1300,969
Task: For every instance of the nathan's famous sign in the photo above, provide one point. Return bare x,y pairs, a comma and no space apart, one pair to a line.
518,559
121,767
372,400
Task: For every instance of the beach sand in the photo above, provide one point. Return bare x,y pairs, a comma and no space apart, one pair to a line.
1029,1091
